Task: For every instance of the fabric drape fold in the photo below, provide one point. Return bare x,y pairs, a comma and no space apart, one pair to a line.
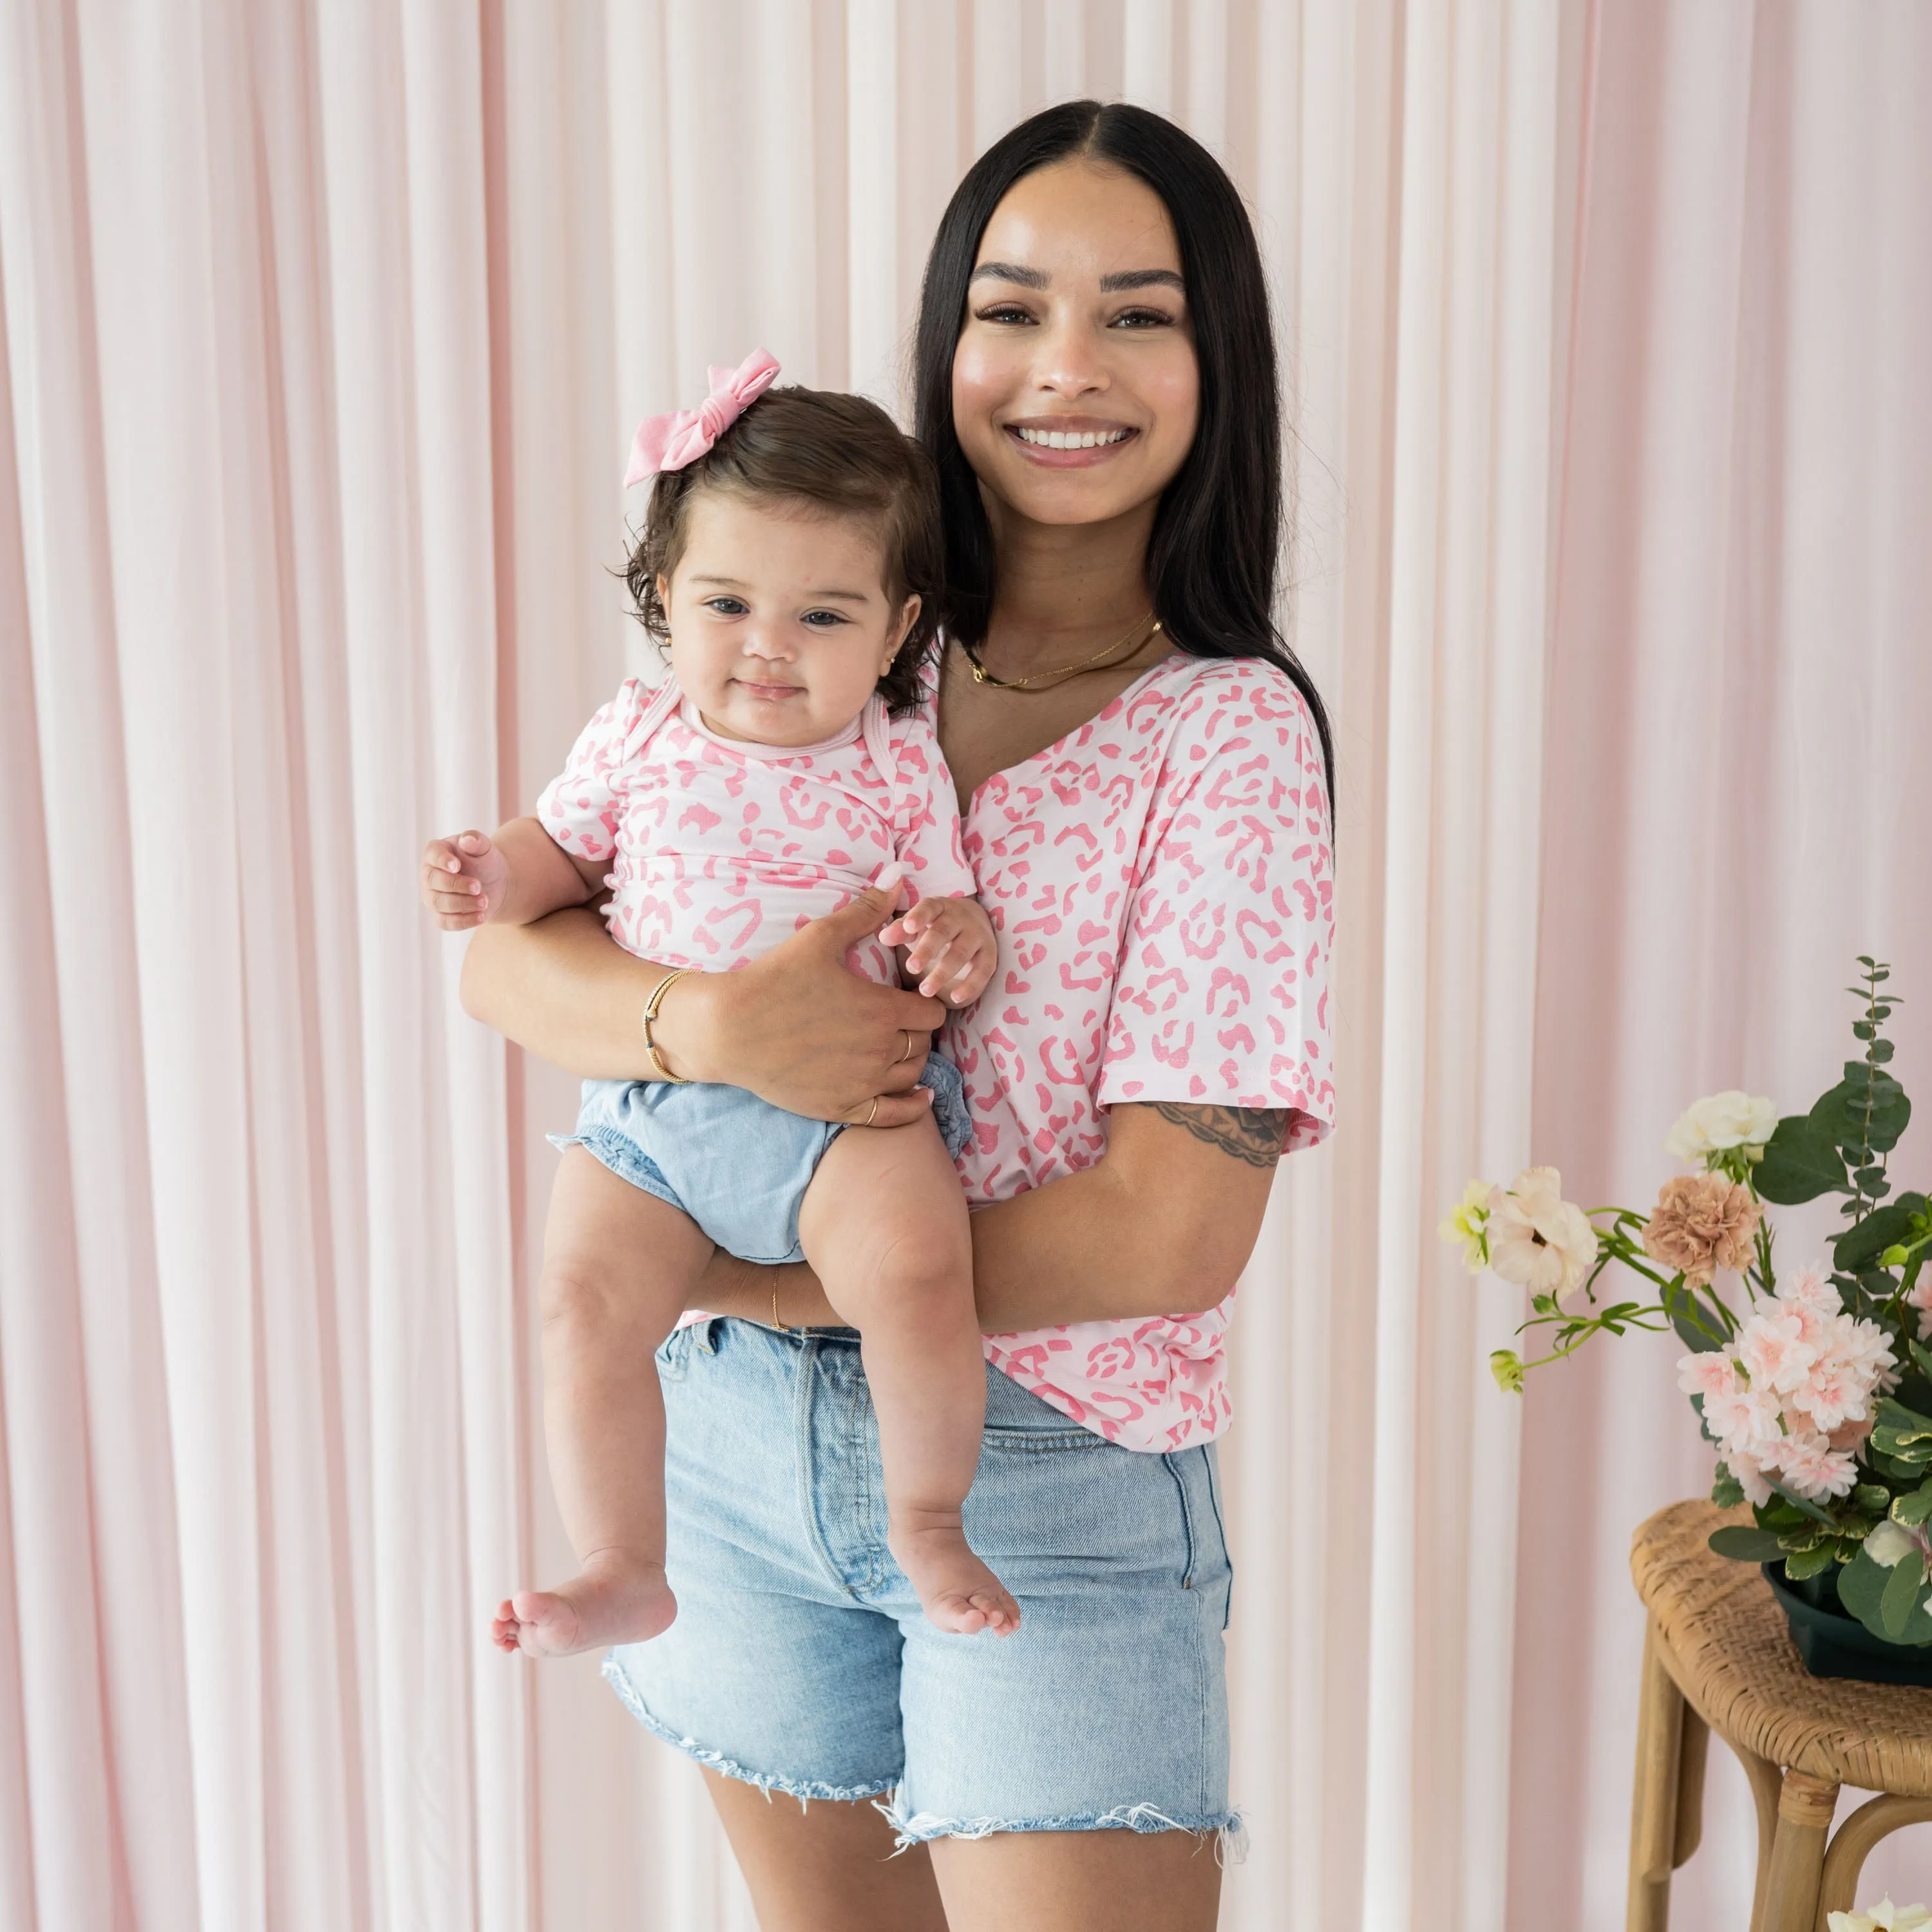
323,331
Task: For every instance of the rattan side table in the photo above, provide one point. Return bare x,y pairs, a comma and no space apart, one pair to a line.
1718,1656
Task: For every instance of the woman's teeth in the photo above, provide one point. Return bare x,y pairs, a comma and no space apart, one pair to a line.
1056,439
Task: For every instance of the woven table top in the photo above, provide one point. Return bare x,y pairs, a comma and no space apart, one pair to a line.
1741,1671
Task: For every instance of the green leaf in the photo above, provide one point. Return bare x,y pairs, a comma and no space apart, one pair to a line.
1726,1491
1857,1246
1867,1109
1913,1509
1685,1310
1810,1508
1901,1595
1862,1585
1745,1546
1902,1432
1811,1562
1801,1162
1873,1498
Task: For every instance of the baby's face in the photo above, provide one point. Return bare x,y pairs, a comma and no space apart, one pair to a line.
780,626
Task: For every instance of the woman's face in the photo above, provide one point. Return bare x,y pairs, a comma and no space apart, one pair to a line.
1074,388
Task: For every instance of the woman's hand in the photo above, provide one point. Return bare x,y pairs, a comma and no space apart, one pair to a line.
799,1028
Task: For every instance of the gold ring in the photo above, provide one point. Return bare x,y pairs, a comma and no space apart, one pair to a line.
871,1112
905,1034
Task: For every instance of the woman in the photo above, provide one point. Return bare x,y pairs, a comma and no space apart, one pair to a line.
1143,768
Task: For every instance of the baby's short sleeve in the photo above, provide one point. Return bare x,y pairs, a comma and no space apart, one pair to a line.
580,808
926,816
1221,996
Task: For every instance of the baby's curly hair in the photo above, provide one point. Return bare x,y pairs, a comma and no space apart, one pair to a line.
820,450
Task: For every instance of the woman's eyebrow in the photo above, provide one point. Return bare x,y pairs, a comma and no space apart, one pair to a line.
1009,271
1142,278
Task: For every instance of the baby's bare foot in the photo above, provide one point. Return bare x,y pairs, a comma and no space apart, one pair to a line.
956,1591
614,1599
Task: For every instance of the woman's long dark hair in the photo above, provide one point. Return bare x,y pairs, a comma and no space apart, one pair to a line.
1216,548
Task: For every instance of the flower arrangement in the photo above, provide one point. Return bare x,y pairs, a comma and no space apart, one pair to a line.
1816,1389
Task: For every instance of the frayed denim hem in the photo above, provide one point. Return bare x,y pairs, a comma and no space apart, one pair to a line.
1230,1838
804,1790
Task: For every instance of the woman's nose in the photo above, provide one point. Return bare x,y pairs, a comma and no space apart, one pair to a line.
1067,360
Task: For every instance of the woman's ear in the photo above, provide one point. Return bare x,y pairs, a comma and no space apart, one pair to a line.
908,617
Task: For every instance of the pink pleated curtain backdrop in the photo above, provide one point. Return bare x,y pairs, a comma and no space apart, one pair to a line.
322,329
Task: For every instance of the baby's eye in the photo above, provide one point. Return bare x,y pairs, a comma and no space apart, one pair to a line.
823,620
726,607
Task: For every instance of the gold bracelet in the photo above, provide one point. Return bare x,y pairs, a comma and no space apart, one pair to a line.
651,1006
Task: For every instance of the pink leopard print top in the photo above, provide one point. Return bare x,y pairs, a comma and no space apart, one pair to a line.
1161,880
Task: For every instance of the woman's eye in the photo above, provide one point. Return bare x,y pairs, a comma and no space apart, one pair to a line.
1143,318
1002,312
726,607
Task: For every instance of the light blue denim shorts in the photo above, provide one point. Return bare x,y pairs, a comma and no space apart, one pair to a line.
800,1661
736,1164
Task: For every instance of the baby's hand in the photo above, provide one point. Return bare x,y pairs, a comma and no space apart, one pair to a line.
464,878
951,946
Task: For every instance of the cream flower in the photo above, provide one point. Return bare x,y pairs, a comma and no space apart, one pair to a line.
1537,1240
1719,1121
1889,1543
1469,1224
1883,1917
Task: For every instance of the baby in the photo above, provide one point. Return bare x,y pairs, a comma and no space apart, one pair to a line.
790,561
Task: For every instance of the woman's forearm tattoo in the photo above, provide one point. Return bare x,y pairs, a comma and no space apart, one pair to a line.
1252,1134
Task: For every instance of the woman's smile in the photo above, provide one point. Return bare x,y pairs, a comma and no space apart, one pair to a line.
1069,442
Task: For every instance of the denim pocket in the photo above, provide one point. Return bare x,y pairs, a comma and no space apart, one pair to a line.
1042,1442
674,1355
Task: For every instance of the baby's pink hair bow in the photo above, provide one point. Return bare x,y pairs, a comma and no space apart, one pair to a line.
669,442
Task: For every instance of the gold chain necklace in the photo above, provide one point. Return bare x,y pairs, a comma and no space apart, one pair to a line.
981,675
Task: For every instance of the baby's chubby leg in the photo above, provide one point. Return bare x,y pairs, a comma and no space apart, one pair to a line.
883,1223
619,1267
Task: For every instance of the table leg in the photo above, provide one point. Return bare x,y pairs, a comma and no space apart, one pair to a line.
1766,1782
1845,1857
1654,1829
1693,1747
1805,1809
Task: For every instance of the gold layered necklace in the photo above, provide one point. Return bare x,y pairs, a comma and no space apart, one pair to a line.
1101,660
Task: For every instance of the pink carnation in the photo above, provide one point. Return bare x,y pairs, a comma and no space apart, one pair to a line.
1813,1469
1709,1373
1751,1478
1773,1352
1811,1288
1746,1421
1921,1298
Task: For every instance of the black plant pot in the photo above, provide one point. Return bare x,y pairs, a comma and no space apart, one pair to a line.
1831,1642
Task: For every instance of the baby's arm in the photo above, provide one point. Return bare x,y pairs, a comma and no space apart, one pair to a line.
519,876
950,948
